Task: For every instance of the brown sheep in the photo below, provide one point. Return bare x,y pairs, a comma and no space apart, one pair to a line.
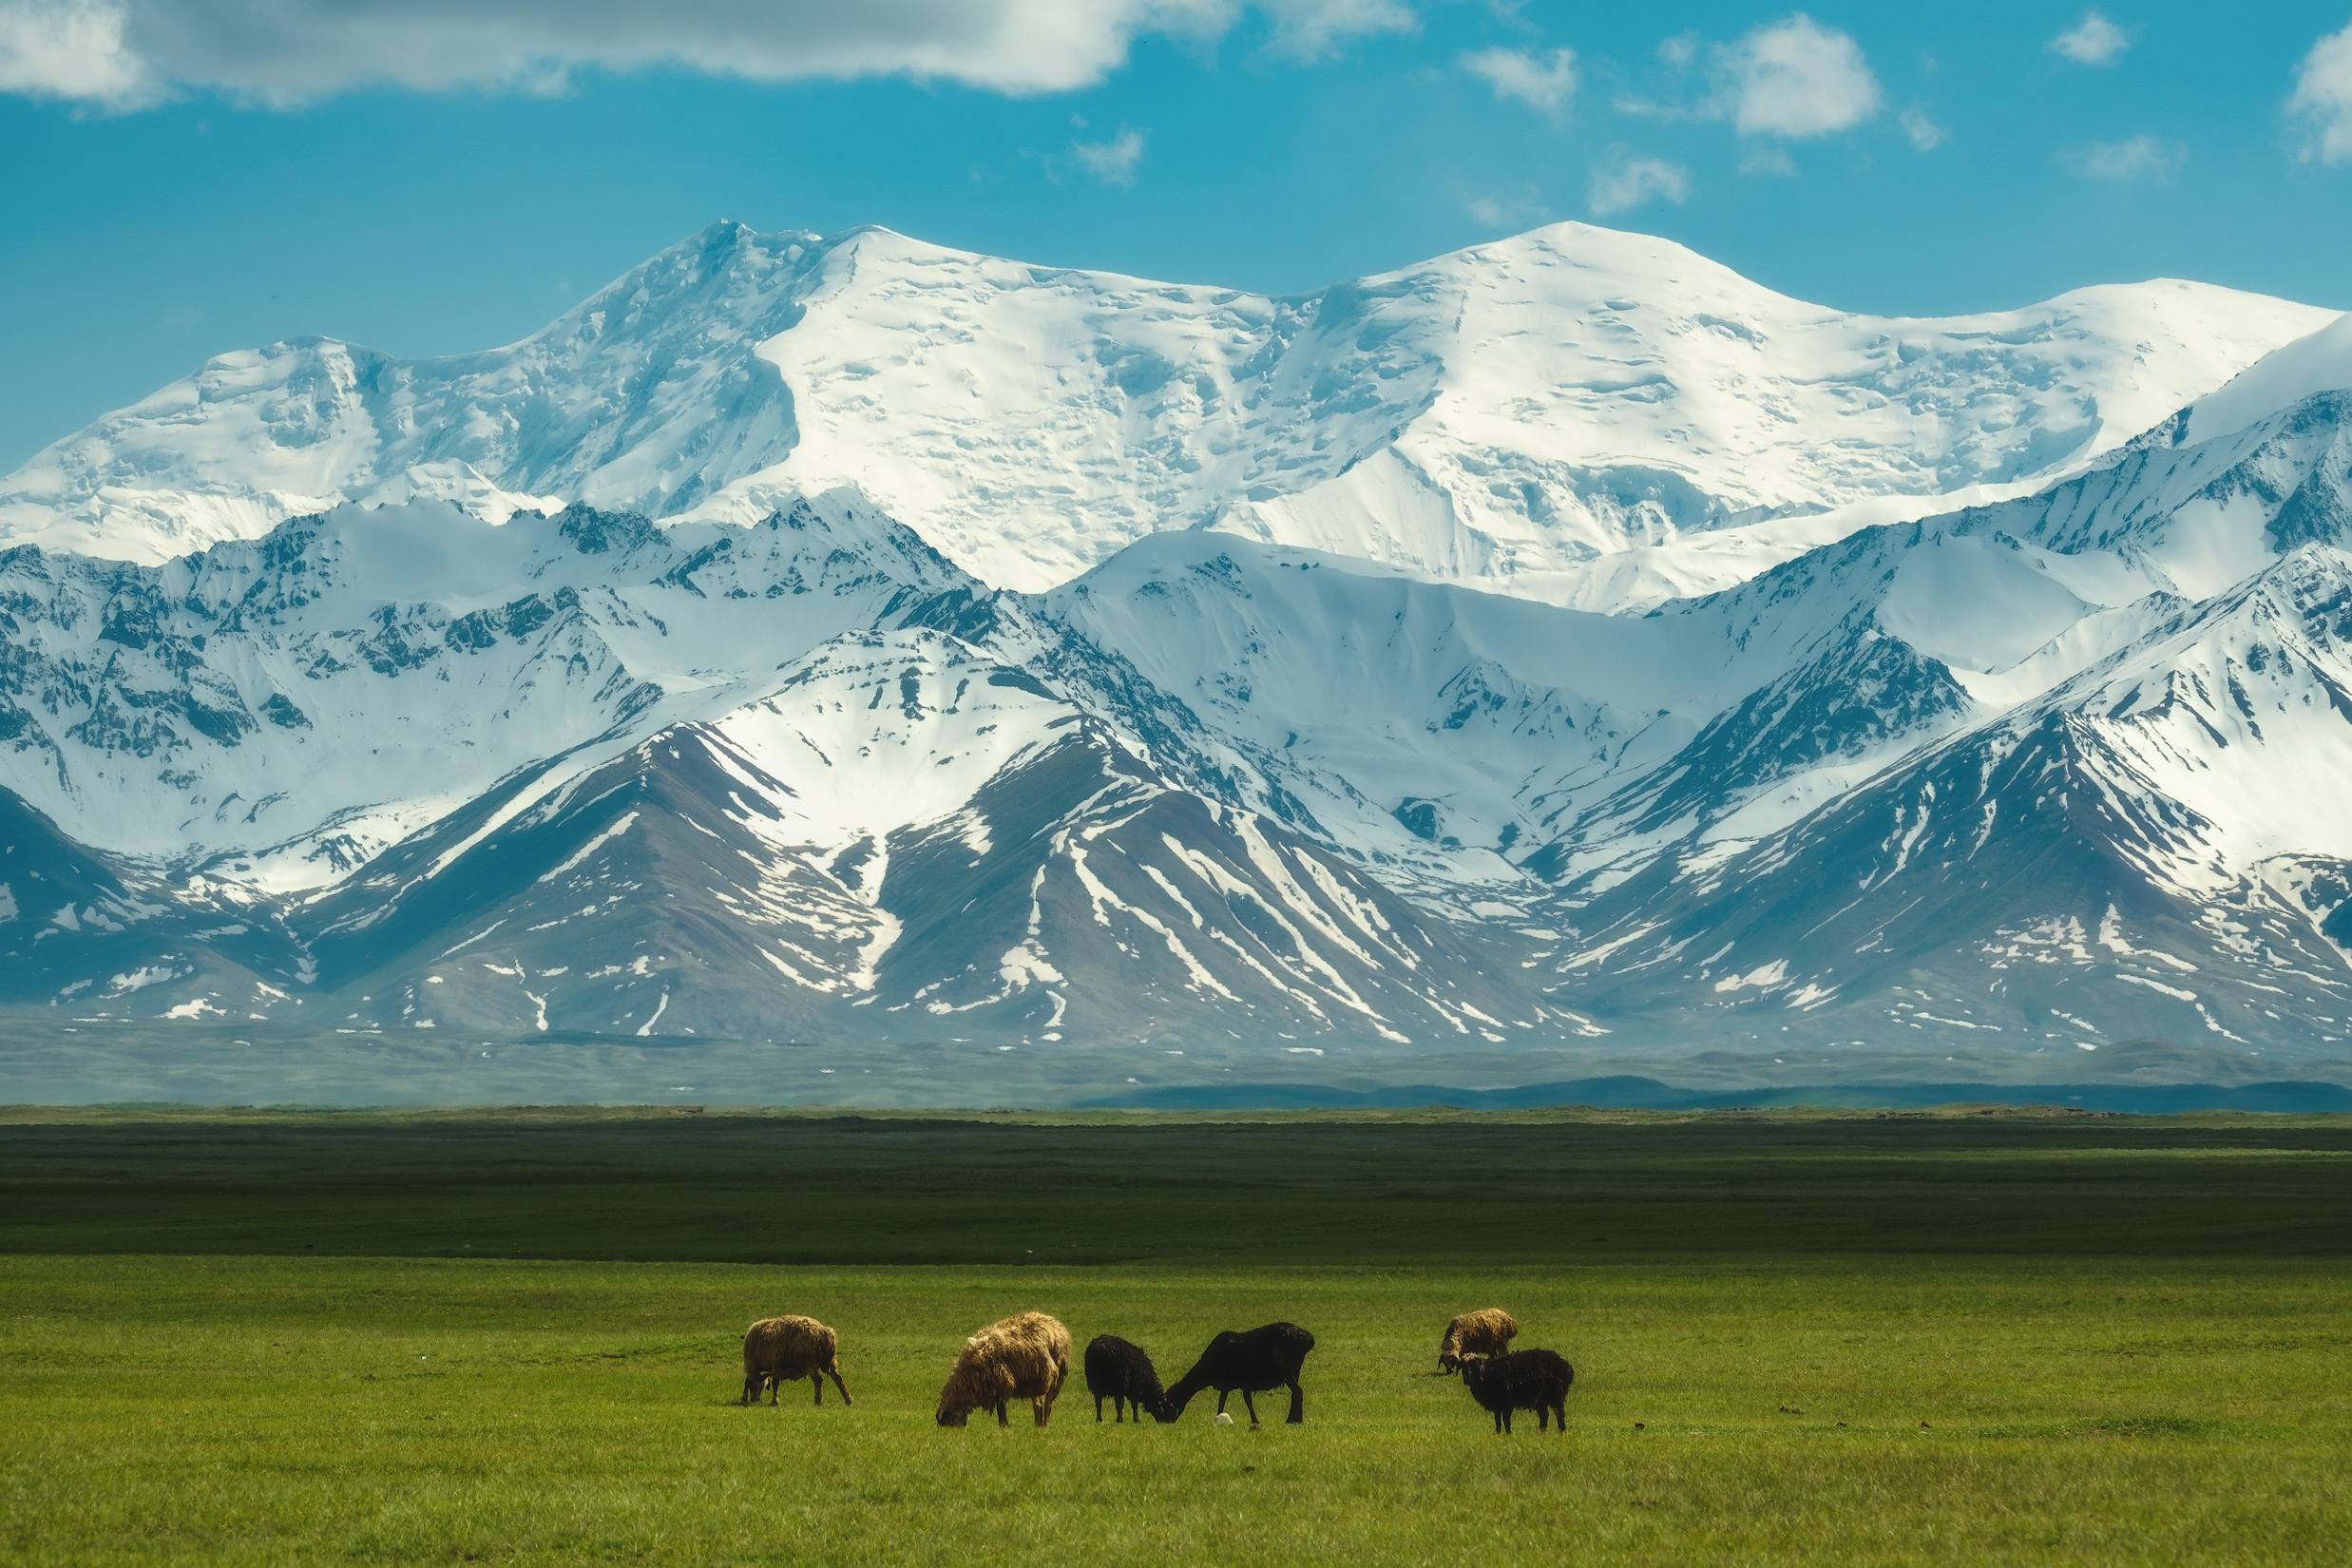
777,1349
1487,1333
1025,1357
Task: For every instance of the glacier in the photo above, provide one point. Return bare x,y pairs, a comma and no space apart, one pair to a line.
1510,414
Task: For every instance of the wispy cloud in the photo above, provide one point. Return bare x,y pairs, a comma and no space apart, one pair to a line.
1312,30
1114,163
2092,41
2139,158
2321,105
1625,183
1505,213
128,54
1924,133
1546,84
1796,77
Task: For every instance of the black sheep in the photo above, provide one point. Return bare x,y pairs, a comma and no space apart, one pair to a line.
1121,1373
1521,1380
1254,1362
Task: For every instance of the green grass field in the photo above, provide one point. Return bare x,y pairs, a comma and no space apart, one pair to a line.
513,1337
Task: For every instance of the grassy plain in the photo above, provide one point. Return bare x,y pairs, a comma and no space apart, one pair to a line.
511,1337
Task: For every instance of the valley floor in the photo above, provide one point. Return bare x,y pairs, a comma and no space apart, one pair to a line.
1798,1338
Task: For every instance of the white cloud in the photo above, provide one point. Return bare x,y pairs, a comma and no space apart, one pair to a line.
1626,182
125,54
1924,133
1309,29
1768,160
61,49
2094,41
2138,158
2322,100
1546,84
1113,161
1796,77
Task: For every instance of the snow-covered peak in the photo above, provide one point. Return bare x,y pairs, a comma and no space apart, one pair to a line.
1572,392
2321,362
282,709
1497,415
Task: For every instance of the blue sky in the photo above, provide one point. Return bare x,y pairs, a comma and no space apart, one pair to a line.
182,177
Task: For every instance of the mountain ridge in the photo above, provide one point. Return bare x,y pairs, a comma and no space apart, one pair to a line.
1507,413
2037,773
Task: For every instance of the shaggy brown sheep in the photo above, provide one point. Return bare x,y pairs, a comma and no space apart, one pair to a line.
777,1349
1025,1357
1485,1332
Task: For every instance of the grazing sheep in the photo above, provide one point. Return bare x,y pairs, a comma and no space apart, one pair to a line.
1485,1332
1254,1362
1521,1380
777,1349
1025,1357
1123,1374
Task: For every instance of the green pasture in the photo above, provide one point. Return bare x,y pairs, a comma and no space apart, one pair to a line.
513,1337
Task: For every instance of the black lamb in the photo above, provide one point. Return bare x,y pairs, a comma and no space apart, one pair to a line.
1255,1362
1121,1373
1521,1380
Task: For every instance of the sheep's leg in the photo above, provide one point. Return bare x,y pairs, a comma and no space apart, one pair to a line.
1053,1392
1560,1418
751,1388
1003,1418
816,1381
1298,1405
1222,1395
1544,1417
1098,1408
1249,1405
1498,1424
839,1387
775,1389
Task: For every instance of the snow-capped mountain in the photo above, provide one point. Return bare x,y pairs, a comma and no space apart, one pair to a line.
2048,770
304,701
2156,848
749,782
1507,414
2139,834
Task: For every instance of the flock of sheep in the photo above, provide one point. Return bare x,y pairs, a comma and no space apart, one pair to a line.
1028,1357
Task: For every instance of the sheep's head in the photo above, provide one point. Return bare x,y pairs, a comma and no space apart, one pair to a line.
1448,1362
1165,1410
1473,1369
950,1415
